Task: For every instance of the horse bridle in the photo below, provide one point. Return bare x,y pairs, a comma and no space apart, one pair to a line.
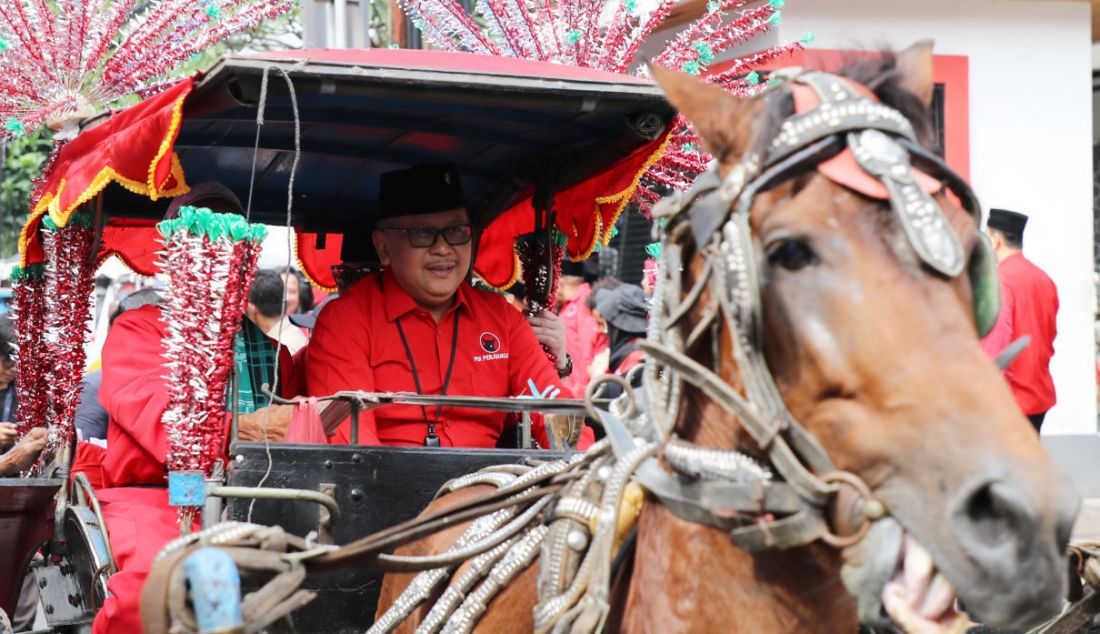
810,499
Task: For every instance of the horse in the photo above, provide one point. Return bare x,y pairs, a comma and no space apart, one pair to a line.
860,308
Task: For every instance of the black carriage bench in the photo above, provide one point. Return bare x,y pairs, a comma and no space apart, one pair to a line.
374,488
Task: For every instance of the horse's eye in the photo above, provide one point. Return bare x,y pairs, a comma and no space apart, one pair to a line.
792,254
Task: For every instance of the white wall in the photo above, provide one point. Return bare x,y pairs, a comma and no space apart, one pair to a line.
1030,138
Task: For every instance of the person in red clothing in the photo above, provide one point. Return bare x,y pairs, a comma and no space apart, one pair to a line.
583,338
134,393
418,326
1029,307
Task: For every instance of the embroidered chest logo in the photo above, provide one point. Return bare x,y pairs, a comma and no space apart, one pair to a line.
490,343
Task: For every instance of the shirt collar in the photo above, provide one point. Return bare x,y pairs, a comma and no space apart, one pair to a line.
399,303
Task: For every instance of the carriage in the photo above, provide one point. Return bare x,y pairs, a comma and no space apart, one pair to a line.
537,145
809,458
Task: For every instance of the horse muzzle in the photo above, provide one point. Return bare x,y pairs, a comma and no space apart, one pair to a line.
1013,570
1001,552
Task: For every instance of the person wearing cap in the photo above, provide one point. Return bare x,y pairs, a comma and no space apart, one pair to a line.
1029,307
133,391
626,311
419,326
583,339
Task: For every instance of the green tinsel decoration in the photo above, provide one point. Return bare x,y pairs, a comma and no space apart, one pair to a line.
31,272
204,221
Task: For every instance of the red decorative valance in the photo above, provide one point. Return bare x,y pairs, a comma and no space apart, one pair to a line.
133,148
586,214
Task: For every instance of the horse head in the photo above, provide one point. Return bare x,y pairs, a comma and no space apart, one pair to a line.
837,254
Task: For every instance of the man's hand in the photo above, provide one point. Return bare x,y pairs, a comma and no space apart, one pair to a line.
276,418
550,333
24,453
7,433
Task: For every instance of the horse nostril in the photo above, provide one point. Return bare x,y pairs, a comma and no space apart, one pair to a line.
994,514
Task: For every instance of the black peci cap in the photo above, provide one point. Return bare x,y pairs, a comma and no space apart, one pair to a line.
1010,222
424,189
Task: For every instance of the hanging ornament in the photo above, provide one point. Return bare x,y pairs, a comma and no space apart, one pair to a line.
29,311
70,268
541,270
61,62
211,261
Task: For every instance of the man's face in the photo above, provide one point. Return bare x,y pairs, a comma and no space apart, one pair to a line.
432,274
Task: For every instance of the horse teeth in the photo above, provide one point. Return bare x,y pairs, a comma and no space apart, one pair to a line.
918,570
939,598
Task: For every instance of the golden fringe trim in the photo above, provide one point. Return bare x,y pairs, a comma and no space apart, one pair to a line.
107,255
302,268
23,239
51,202
600,236
623,197
515,274
166,146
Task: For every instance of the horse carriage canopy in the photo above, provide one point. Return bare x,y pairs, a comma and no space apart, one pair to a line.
512,127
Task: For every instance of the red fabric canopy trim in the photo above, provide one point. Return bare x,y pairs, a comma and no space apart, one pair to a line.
133,148
586,214
136,242
316,262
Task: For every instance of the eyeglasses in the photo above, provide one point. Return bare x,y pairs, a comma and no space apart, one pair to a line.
425,237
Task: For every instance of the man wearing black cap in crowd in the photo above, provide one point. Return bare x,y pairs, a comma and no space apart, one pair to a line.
1029,306
418,326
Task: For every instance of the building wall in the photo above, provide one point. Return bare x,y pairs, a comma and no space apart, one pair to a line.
1030,138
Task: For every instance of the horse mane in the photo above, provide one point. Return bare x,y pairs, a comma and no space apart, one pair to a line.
879,73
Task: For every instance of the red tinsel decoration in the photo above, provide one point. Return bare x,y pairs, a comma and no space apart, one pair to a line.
211,261
70,270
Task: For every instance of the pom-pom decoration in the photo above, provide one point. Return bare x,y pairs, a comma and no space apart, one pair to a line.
62,61
607,36
211,261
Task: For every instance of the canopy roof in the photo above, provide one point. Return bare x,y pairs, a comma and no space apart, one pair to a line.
364,112
507,124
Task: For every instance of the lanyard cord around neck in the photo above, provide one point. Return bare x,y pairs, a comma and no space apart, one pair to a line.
416,377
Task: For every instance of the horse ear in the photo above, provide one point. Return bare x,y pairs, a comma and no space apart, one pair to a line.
713,112
915,66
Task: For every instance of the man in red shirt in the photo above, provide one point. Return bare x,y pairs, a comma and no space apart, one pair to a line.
583,338
1029,306
420,327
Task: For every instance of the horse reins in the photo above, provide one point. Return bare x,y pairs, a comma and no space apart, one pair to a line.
810,499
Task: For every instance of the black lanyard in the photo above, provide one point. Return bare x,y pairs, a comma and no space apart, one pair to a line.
431,440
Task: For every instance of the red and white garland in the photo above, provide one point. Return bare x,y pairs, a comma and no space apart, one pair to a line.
211,262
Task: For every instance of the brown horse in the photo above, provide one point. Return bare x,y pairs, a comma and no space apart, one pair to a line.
877,356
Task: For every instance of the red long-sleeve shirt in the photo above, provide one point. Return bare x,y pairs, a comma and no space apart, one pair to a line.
1029,306
356,345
